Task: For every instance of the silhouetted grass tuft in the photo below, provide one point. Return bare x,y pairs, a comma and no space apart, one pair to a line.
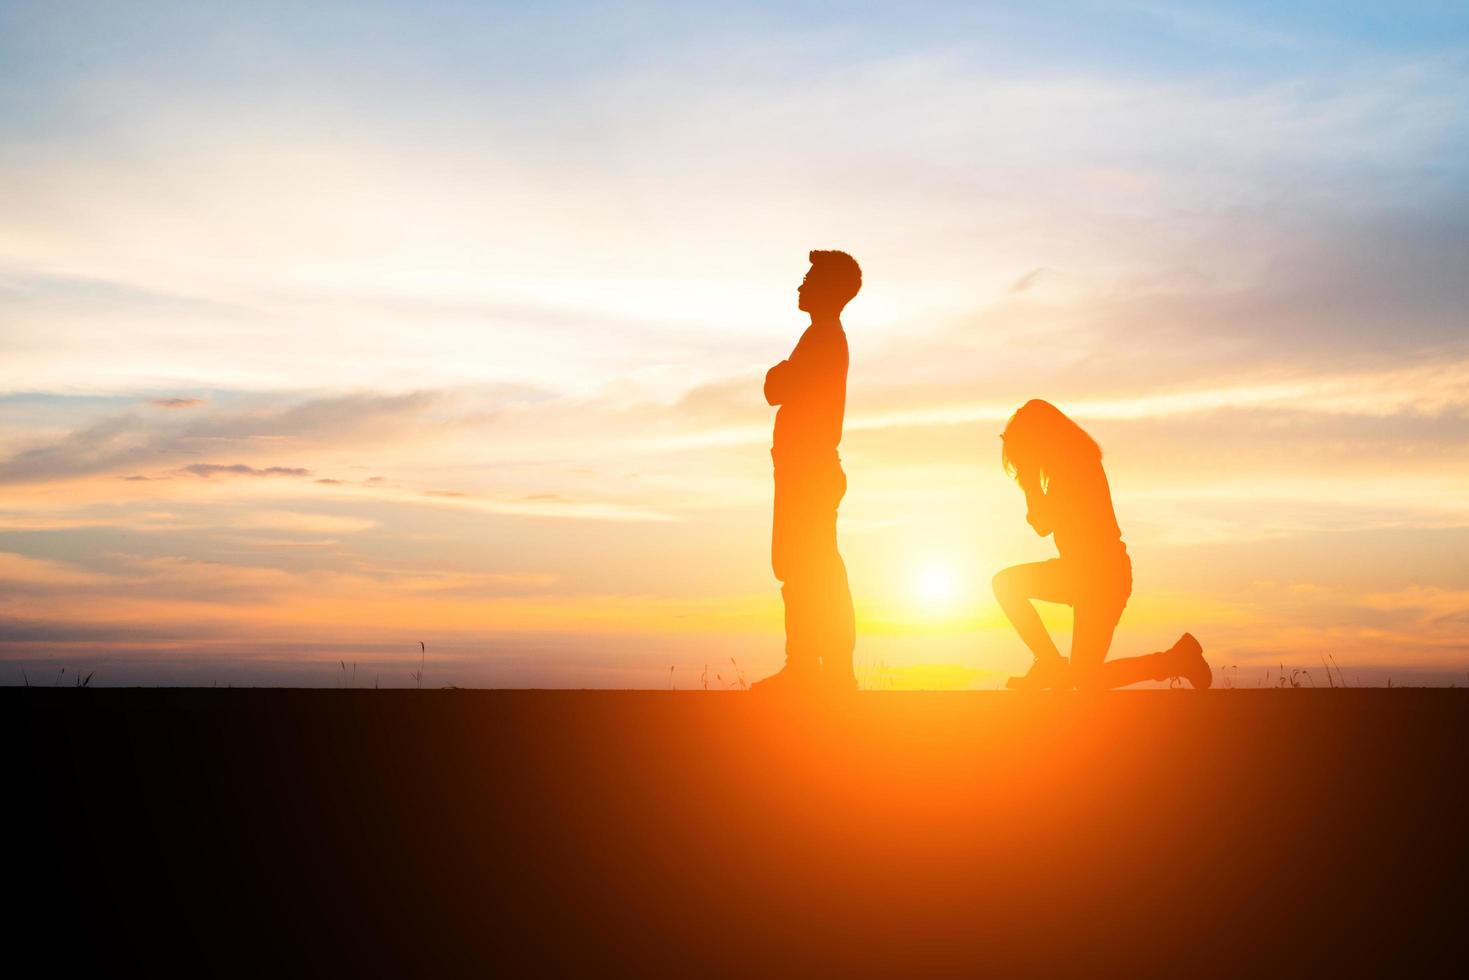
77,679
875,677
417,675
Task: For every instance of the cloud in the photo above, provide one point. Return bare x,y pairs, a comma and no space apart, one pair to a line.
40,572
305,523
612,511
129,440
305,240
139,582
208,470
1028,280
176,402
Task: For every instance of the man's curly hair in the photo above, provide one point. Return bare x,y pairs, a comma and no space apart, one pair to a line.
838,274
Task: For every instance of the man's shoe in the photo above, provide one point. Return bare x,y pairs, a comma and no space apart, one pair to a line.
789,680
1042,674
1186,659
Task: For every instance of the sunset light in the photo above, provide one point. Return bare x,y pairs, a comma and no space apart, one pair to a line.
936,586
450,325
757,488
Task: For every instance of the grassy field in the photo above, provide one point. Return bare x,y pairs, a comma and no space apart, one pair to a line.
1261,831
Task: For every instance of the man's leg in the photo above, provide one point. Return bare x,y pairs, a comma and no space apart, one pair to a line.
839,638
790,558
803,624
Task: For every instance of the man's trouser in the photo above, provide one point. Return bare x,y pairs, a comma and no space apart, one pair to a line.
803,552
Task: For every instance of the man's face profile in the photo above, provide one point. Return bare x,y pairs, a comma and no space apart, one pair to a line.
806,293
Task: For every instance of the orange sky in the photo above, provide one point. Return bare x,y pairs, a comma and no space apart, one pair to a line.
453,331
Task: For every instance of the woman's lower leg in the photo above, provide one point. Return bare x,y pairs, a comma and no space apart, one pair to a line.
1027,622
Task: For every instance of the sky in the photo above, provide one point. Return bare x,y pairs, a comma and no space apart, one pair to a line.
329,330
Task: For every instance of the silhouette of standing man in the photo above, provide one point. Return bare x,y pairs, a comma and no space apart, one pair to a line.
811,389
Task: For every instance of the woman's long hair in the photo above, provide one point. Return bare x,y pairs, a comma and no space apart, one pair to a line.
1040,439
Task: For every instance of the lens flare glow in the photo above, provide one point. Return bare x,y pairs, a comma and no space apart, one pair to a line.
935,585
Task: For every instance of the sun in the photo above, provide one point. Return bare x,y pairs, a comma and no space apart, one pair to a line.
935,585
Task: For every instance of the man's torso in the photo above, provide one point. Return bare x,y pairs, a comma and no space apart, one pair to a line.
808,425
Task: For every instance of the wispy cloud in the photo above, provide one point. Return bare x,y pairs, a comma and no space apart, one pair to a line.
129,440
208,470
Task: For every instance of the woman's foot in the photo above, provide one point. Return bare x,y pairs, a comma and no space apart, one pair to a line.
1042,674
1186,659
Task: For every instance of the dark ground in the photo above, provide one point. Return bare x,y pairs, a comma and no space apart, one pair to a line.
1153,832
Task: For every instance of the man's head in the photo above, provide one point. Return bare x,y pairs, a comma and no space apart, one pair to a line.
830,284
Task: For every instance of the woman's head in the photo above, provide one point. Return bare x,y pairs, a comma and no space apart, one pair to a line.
1041,438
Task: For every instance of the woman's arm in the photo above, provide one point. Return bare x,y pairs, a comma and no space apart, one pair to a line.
1037,506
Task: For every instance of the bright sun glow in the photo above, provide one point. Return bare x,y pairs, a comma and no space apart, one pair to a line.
935,585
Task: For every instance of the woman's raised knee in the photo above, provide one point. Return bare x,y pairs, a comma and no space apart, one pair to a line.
1003,584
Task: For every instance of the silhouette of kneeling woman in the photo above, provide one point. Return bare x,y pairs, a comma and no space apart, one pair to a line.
1059,467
